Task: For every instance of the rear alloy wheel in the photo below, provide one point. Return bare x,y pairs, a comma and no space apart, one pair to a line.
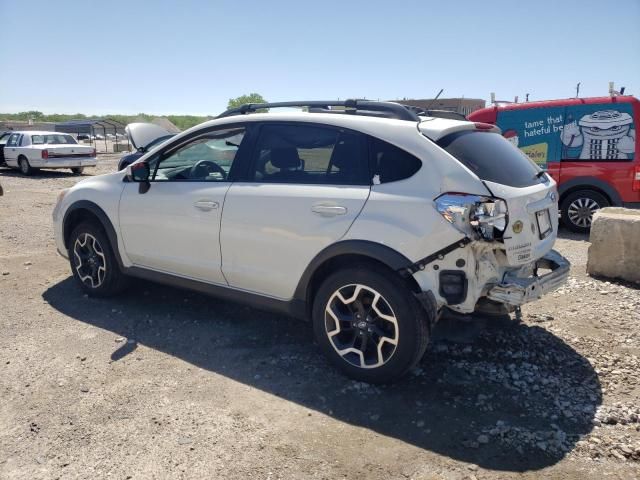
77,170
25,168
361,326
578,209
369,324
93,263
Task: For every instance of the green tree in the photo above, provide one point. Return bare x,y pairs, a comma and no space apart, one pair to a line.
242,99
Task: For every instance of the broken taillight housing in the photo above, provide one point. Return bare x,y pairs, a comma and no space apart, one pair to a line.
474,215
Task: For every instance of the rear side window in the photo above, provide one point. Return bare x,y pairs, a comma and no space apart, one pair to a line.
492,158
309,154
390,163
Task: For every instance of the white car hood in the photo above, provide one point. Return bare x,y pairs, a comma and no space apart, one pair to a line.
142,134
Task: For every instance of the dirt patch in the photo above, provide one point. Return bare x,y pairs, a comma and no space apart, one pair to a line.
163,383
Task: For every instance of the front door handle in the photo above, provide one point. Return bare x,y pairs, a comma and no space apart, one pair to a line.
206,205
329,210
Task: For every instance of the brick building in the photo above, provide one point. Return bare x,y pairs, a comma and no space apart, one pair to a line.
460,105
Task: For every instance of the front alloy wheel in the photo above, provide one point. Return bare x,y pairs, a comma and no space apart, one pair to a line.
361,326
89,260
93,262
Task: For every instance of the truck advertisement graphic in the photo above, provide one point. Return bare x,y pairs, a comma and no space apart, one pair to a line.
600,132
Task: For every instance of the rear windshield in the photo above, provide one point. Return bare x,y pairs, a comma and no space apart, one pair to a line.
492,158
53,140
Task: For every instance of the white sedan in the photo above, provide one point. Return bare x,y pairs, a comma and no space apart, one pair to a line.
31,150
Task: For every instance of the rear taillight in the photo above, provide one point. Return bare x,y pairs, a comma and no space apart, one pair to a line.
45,154
635,186
475,216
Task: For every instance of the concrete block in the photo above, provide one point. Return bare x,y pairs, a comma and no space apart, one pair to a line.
615,244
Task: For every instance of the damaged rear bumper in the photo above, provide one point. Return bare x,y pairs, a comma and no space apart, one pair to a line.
517,291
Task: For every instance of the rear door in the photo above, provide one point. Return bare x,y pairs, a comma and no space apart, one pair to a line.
305,185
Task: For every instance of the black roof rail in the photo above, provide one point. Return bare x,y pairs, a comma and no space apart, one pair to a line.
436,113
352,107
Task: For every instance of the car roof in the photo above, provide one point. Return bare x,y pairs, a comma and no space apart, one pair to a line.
38,132
432,127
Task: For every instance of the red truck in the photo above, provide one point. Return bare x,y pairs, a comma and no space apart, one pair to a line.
588,145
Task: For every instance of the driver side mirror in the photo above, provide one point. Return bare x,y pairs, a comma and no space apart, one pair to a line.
140,172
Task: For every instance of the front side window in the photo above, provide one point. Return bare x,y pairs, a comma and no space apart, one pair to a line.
4,139
309,154
207,158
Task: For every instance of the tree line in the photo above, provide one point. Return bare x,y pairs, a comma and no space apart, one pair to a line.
181,121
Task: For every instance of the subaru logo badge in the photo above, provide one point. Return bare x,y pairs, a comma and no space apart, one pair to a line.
517,227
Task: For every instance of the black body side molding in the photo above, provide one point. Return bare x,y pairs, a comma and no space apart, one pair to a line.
376,251
439,255
102,217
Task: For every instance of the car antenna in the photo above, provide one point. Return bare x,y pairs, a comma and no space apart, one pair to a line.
432,101
578,90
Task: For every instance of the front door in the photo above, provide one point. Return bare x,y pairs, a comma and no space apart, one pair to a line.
306,185
174,227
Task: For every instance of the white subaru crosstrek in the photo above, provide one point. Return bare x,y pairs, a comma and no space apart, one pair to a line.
368,218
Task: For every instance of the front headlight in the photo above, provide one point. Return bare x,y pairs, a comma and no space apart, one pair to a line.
60,196
56,209
474,215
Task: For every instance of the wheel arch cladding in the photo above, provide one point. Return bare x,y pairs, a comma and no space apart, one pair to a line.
590,183
85,210
347,253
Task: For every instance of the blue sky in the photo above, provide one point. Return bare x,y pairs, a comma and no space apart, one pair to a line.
190,57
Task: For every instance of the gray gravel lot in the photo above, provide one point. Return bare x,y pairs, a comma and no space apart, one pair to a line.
164,383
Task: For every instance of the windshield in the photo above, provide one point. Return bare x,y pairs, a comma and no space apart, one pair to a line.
53,139
492,158
158,141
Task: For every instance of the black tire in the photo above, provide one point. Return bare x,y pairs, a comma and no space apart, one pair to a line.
412,324
577,209
112,280
24,166
77,170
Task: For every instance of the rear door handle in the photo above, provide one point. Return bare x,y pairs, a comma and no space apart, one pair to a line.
206,205
329,210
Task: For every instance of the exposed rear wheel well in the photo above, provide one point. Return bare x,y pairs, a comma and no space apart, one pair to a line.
346,261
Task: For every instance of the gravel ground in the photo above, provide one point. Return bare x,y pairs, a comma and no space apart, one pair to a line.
163,383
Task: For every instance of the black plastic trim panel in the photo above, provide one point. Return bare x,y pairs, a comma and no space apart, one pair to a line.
439,255
294,307
102,217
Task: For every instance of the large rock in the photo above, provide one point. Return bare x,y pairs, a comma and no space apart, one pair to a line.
615,244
